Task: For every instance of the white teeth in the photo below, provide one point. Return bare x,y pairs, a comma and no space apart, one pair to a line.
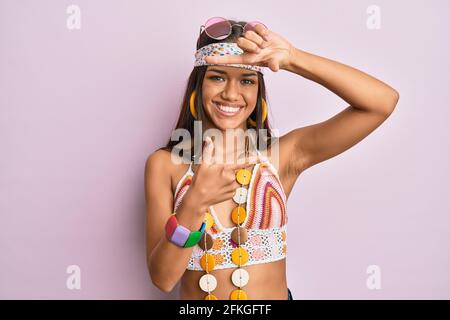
227,109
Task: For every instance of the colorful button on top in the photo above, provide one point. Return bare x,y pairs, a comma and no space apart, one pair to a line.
239,235
238,295
239,256
206,242
240,277
208,262
243,176
208,283
209,220
238,215
240,195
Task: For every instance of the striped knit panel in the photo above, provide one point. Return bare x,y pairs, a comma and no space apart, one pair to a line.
267,208
184,186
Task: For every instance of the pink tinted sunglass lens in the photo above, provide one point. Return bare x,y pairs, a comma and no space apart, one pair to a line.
217,28
251,25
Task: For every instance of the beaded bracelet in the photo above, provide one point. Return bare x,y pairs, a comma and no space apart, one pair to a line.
182,236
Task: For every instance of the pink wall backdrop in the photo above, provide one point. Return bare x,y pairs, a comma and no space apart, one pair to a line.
81,109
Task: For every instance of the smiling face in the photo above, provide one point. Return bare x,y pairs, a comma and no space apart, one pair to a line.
229,96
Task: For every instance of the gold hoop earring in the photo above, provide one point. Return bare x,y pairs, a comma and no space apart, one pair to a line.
264,114
192,105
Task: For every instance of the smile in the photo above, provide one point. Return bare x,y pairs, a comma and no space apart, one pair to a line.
228,111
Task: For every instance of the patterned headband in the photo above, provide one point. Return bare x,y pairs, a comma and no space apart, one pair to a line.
221,49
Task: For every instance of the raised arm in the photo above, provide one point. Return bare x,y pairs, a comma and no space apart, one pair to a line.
371,102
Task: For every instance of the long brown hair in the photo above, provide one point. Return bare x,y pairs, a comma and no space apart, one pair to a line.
195,82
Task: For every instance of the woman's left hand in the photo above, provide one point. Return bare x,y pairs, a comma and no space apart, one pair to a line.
261,47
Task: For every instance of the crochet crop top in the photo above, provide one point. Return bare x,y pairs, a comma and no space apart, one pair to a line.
266,221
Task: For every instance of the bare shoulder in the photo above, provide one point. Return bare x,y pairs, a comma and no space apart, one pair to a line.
168,170
158,169
158,160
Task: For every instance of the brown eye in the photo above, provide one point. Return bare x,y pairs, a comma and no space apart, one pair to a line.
249,81
246,81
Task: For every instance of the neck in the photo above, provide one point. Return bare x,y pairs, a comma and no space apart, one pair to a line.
232,144
231,148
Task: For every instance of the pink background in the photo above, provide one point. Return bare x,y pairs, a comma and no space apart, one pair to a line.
81,110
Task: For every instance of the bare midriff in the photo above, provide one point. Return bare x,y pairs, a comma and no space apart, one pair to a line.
267,282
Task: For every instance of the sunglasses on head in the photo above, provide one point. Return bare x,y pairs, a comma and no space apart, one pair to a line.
219,28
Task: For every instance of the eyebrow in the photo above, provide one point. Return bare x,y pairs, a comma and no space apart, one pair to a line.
224,72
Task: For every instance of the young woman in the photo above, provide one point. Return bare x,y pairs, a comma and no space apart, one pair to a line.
220,227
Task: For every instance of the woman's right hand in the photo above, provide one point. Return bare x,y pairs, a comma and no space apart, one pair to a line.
216,182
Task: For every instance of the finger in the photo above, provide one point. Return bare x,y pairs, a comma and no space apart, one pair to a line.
208,151
248,45
228,175
263,32
253,36
233,186
230,194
